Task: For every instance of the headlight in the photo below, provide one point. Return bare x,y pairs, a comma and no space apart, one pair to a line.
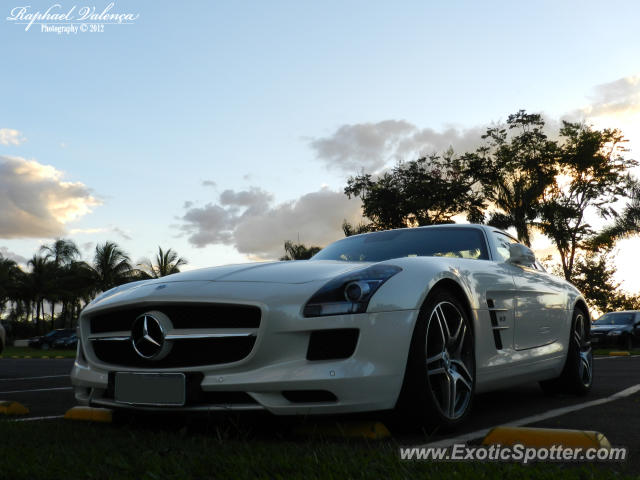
615,332
349,293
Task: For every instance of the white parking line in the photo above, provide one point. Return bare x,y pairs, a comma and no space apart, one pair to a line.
446,442
31,419
32,378
38,390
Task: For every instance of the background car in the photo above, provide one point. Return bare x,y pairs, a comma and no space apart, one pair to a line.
70,341
45,342
411,320
617,329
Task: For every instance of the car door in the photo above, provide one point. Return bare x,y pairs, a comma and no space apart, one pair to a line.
540,301
540,307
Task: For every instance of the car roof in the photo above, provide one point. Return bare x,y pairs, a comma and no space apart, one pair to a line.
486,228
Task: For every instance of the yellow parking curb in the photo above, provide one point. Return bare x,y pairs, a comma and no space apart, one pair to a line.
60,356
545,437
89,414
45,356
12,408
370,430
619,354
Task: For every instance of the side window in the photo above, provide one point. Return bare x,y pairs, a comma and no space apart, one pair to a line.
502,245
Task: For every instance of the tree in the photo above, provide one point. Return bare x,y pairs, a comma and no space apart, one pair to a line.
627,223
112,266
166,263
61,254
592,176
593,276
38,284
513,169
9,273
78,287
350,229
297,251
427,191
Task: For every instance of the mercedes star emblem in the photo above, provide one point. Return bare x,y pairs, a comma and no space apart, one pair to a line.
148,336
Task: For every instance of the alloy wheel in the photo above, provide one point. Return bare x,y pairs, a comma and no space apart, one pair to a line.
449,358
583,346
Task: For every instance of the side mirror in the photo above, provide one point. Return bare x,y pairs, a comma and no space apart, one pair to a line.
521,255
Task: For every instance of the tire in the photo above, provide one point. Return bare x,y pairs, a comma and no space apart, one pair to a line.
439,381
577,374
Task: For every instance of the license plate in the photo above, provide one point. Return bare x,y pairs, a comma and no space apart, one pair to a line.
154,389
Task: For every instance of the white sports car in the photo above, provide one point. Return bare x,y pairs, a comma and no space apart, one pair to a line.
412,320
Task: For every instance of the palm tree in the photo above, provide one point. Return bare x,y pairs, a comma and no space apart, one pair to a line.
112,266
61,254
39,283
297,251
166,263
355,229
78,286
9,272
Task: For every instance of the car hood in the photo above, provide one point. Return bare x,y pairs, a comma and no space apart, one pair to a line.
300,271
302,276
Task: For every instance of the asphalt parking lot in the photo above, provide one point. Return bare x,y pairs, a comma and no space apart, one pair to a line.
43,386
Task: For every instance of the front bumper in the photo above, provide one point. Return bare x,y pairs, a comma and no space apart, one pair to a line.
368,380
601,340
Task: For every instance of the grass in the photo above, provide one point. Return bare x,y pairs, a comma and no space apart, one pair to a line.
22,352
202,450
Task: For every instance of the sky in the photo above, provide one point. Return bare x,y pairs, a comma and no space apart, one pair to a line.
221,129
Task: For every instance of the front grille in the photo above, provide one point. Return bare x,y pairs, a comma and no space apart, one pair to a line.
185,353
182,316
235,342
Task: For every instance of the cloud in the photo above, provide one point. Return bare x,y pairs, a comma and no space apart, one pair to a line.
121,232
619,96
85,231
88,246
6,253
371,146
36,201
90,231
9,136
251,222
255,199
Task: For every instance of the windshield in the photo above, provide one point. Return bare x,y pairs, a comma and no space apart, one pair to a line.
409,242
615,319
